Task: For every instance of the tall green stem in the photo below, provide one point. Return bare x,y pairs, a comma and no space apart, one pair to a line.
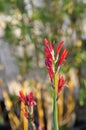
55,109
55,114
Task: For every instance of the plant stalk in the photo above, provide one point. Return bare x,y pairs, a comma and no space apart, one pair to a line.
55,109
55,114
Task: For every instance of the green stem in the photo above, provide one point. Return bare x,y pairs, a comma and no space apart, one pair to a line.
55,114
31,126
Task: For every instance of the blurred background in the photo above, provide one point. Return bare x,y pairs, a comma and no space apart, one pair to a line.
23,25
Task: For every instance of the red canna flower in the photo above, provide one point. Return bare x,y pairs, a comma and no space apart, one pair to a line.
50,60
61,83
30,100
59,47
63,56
27,99
22,97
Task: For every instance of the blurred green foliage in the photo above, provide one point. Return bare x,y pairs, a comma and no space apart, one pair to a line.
82,96
46,20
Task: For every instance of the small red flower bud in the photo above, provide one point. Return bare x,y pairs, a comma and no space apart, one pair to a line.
61,83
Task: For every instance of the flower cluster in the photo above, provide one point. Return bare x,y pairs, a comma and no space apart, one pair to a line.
28,101
53,61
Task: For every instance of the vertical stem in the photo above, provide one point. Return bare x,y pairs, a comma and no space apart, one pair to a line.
55,109
31,126
55,114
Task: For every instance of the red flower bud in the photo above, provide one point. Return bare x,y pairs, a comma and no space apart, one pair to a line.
61,83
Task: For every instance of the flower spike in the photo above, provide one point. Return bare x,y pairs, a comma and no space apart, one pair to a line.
53,62
29,103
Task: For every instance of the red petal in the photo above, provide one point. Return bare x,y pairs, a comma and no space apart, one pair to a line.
30,100
22,96
51,73
59,47
63,56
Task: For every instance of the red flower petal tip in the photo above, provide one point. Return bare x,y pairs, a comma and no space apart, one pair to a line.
46,42
22,97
